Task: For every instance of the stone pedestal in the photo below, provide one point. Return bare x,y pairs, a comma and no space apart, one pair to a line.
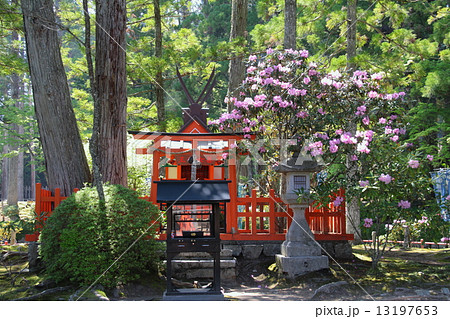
300,254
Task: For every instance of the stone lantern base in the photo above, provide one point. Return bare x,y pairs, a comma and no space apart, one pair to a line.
300,265
300,253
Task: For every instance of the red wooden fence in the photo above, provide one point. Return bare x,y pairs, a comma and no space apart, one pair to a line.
44,205
253,218
328,222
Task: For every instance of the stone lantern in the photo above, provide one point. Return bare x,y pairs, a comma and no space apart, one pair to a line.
300,253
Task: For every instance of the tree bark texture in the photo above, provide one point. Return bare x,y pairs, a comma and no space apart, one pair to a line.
236,70
352,209
351,33
97,179
159,81
65,160
13,170
110,77
290,24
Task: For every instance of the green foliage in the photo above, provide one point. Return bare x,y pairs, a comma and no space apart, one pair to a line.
80,241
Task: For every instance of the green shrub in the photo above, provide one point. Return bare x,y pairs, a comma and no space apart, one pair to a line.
81,241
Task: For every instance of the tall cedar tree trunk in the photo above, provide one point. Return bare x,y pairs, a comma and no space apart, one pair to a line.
290,24
110,77
352,208
159,81
13,169
65,160
94,141
236,70
351,33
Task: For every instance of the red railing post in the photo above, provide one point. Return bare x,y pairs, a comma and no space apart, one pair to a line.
272,212
38,206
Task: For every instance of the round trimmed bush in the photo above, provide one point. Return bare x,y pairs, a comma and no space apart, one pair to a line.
82,242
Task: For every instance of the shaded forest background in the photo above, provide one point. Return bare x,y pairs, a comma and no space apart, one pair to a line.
406,40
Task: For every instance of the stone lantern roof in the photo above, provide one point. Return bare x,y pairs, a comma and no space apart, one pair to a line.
296,164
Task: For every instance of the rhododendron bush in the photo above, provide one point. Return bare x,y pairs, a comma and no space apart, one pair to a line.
348,122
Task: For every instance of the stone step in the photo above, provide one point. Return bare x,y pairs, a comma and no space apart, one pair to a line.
201,263
202,269
224,254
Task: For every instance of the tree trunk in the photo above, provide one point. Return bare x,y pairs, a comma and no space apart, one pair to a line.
13,169
5,161
159,85
94,141
290,24
65,160
236,70
352,209
351,34
110,76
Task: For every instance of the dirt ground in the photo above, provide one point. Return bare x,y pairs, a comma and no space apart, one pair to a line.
416,274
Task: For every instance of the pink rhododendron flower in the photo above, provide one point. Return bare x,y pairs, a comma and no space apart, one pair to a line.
385,178
277,99
338,201
394,138
353,158
286,85
302,114
333,148
335,74
366,120
368,222
382,120
361,110
323,136
347,138
363,183
376,76
321,111
326,81
372,94
268,81
424,220
362,148
430,158
413,163
252,58
338,85
304,53
404,204
306,80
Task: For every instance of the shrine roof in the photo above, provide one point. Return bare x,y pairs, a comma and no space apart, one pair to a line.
192,191
149,135
184,134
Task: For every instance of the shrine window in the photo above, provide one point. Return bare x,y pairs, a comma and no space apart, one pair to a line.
192,221
202,172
